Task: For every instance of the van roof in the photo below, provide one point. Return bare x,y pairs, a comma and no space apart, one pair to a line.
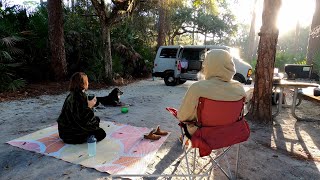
170,46
199,46
207,46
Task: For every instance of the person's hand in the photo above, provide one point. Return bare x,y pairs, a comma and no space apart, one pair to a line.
92,102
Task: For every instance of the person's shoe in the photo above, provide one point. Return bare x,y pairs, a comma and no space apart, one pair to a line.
152,136
158,131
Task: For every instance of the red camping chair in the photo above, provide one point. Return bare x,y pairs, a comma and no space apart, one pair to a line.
220,126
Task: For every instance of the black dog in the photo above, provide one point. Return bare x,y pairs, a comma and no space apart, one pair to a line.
113,99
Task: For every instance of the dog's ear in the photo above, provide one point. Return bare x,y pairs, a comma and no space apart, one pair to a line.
119,91
114,91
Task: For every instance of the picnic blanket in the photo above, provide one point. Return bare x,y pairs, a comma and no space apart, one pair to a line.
123,151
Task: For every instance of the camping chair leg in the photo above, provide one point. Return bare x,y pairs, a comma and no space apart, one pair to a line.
186,157
194,160
217,159
224,172
237,158
230,176
228,166
186,151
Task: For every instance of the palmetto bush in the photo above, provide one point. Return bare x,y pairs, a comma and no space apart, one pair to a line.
9,50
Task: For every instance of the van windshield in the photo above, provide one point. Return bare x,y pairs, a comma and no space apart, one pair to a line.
168,53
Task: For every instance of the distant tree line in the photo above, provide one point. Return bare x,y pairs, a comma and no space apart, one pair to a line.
102,39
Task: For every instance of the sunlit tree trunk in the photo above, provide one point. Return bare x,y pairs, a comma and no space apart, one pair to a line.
205,38
261,100
255,47
297,38
314,37
193,28
252,34
56,38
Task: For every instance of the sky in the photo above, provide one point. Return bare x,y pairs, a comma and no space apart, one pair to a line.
290,12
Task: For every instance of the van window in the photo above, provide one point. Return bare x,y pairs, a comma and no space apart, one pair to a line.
168,53
193,54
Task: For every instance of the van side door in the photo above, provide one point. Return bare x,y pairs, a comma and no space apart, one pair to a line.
177,68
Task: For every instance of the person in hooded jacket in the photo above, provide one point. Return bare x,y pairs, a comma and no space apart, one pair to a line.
217,70
77,120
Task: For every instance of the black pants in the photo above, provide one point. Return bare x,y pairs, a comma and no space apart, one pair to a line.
185,129
99,134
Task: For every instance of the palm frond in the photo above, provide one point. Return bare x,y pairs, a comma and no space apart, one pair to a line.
16,84
5,56
10,41
15,50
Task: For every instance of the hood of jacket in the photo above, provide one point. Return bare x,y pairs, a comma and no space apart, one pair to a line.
218,63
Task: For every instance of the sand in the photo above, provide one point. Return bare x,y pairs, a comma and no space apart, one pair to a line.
285,150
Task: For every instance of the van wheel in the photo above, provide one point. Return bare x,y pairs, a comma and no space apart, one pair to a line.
239,77
169,80
182,81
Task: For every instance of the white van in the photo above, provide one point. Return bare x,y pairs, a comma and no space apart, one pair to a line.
168,63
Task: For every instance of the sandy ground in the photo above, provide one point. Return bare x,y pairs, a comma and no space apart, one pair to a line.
285,150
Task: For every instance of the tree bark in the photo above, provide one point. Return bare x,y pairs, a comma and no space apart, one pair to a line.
314,37
56,39
107,52
108,20
261,101
161,25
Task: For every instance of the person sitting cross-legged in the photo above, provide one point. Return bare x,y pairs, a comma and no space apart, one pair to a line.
77,120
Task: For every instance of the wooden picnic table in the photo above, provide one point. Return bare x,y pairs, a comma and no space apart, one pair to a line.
295,85
307,94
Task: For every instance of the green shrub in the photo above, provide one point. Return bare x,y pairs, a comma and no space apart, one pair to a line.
283,58
95,68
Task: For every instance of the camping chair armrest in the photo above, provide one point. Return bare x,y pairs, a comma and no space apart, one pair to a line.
188,122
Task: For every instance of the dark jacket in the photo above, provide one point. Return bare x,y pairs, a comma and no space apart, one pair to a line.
76,120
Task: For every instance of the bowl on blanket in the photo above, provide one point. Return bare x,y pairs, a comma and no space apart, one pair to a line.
124,109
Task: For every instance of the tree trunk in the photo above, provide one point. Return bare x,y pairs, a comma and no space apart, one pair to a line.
72,5
255,47
297,39
252,34
161,25
205,39
107,20
193,28
261,100
56,38
314,37
171,40
107,53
